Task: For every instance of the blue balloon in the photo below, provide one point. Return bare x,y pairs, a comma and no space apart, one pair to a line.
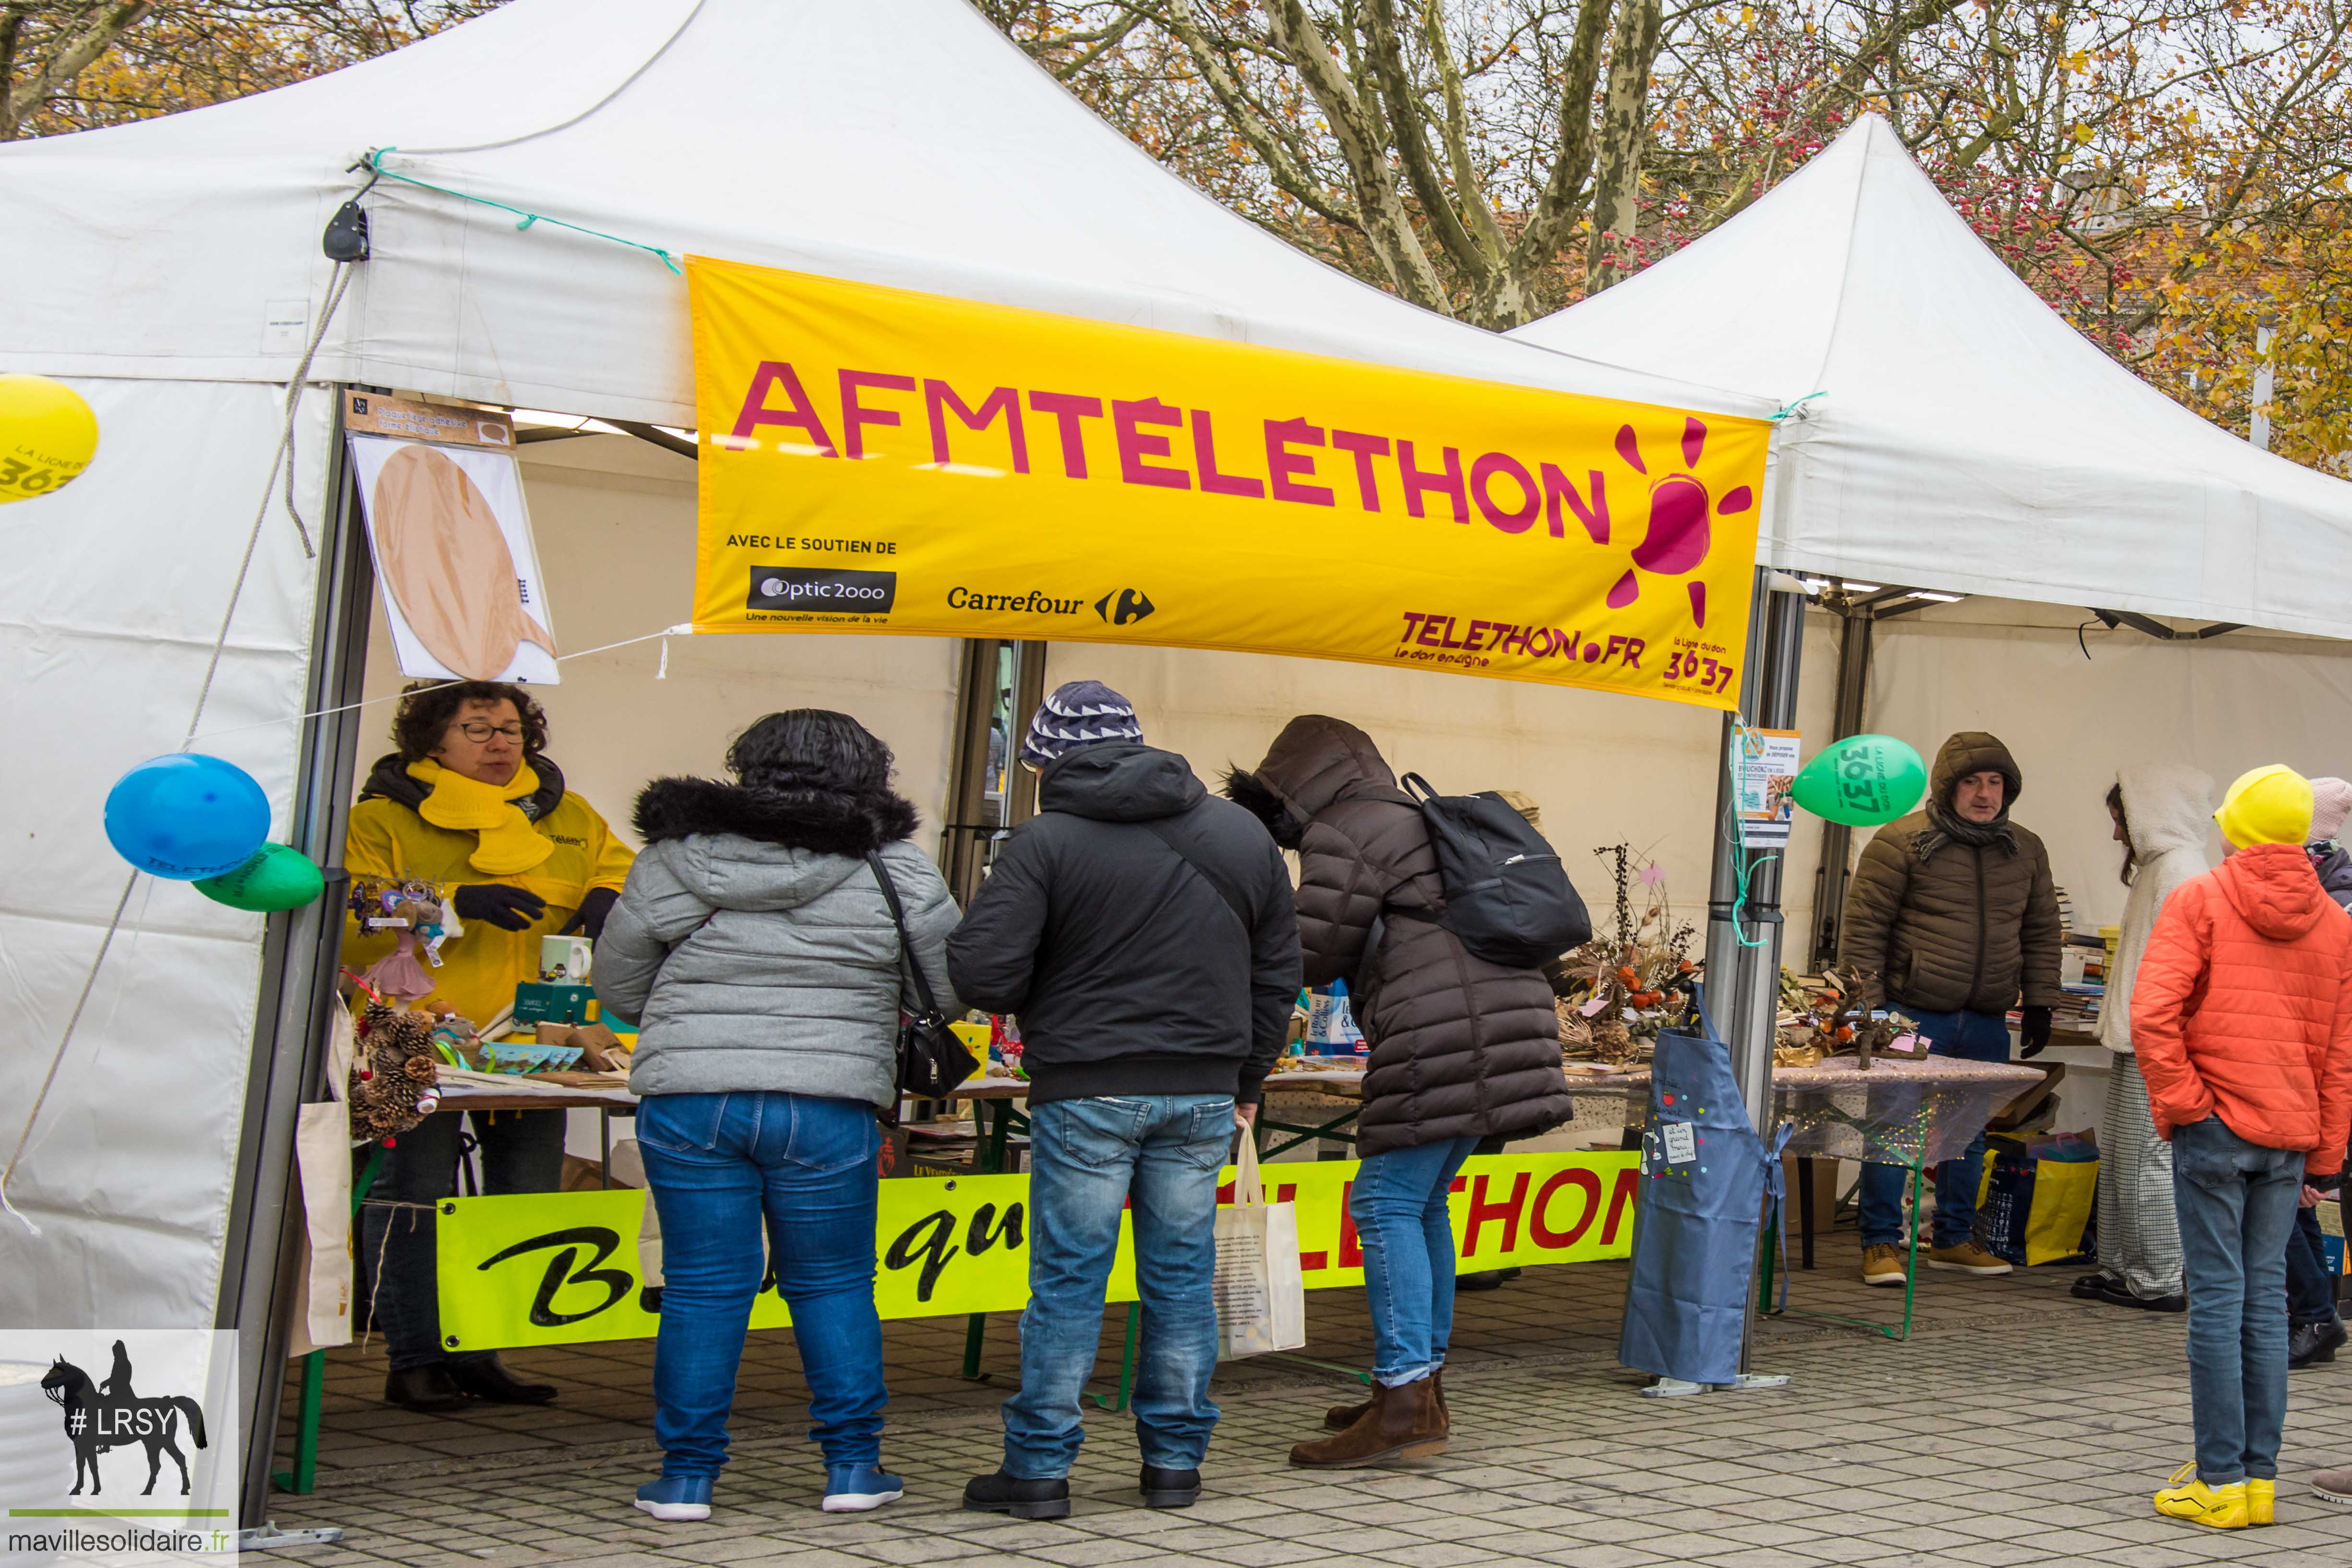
186,817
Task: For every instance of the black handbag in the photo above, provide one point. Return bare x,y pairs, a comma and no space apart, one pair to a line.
932,1058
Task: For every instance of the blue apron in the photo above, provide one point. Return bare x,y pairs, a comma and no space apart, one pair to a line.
1704,1179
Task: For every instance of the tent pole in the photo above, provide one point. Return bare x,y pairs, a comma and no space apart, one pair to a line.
1830,878
1775,630
1723,913
300,949
1757,1000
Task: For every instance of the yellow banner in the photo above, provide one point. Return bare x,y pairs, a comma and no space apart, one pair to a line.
876,460
562,1267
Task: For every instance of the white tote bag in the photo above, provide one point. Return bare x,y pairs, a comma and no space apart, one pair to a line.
322,1287
1260,1294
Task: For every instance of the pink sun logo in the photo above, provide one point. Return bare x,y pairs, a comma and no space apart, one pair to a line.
1680,532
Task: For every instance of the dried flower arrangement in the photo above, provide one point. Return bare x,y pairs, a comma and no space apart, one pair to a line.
1817,1020
1615,993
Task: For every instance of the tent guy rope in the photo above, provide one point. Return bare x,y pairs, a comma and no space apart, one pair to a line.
376,162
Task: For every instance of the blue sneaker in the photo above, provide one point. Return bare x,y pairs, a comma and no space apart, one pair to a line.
855,1489
677,1499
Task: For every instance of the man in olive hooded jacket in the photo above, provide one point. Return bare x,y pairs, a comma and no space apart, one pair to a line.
1950,919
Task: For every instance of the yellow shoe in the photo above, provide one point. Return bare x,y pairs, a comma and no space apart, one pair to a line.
2261,1502
2221,1508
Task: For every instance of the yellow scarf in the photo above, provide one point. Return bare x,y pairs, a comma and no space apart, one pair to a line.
505,841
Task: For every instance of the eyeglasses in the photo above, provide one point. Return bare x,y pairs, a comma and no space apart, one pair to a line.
478,731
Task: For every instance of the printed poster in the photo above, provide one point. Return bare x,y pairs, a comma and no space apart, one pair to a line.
1769,762
442,493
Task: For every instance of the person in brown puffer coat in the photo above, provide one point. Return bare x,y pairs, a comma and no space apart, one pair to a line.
1461,1050
1950,917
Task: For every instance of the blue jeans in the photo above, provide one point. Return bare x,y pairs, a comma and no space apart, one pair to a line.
717,1163
1398,1202
1089,1161
2237,1203
1971,1037
2310,1287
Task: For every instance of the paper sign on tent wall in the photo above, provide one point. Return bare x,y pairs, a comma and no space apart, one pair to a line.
877,461
442,497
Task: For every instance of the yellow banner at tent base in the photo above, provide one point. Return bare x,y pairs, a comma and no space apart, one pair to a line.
547,1268
877,461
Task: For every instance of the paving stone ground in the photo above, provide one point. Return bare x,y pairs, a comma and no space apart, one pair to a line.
2017,1426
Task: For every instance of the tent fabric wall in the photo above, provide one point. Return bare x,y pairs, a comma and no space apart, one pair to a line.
613,521
2016,669
111,594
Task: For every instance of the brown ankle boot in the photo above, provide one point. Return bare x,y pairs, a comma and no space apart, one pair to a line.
1403,1423
1339,1417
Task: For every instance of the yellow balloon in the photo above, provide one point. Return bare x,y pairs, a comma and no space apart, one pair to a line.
47,436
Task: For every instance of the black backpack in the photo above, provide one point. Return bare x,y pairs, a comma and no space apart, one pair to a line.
1508,898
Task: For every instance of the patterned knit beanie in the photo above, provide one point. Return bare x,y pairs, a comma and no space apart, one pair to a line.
1078,714
2331,803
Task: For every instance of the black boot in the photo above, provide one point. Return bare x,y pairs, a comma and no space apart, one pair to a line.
1482,1279
1001,1493
1168,1489
2314,1344
427,1389
485,1377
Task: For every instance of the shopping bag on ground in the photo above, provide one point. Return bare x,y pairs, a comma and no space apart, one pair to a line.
1260,1294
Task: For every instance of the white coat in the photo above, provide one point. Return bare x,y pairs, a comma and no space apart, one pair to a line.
2169,812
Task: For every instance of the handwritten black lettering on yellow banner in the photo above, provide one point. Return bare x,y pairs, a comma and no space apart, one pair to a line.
876,460
562,1267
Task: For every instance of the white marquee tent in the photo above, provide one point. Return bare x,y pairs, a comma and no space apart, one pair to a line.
1966,438
173,270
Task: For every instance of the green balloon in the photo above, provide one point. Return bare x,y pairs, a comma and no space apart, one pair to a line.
1861,781
277,877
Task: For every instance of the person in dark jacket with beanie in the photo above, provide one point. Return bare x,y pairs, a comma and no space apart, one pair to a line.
1461,1050
1143,932
1951,917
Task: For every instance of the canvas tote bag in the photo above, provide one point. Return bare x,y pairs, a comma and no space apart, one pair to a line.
1260,1294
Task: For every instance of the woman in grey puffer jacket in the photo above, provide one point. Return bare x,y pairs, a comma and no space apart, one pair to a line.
754,945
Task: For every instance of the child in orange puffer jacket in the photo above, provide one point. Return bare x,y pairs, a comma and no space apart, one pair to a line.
2242,1015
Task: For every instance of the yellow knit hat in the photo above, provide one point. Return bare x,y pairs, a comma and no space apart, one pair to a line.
2269,805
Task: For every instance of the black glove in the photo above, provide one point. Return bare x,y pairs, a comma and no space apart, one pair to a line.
2033,1030
495,903
589,919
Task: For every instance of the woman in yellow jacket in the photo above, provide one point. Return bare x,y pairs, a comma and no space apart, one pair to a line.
471,803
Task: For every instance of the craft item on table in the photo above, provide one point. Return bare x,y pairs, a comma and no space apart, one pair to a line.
1817,1023
593,1047
536,1003
401,973
1005,1048
563,959
393,1084
1615,993
1331,1022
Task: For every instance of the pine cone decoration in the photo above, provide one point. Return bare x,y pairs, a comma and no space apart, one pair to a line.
393,1081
